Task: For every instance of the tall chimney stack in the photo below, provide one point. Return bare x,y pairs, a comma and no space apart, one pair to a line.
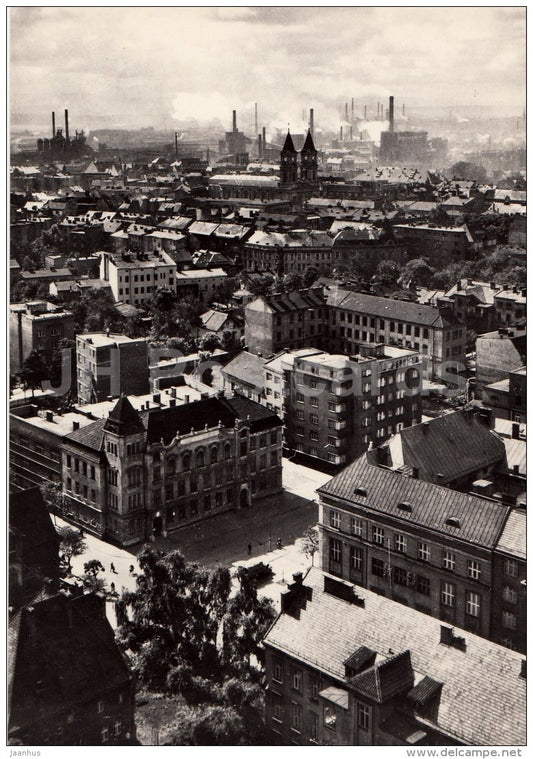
264,142
377,117
53,124
66,124
403,109
176,145
341,133
234,121
365,112
312,120
259,149
346,111
391,114
353,104
351,132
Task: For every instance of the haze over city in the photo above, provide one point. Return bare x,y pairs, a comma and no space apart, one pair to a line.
157,67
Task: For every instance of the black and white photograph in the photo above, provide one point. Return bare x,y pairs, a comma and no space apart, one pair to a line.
267,409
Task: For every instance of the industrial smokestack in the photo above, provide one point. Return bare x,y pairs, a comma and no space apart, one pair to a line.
377,117
351,133
346,111
259,149
66,124
353,105
365,112
176,145
341,133
234,121
382,109
264,141
391,114
53,124
312,120
403,109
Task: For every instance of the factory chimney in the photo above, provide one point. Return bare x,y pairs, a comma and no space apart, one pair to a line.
259,150
176,145
352,107
66,124
312,120
403,109
377,117
391,114
365,112
346,111
234,121
351,132
341,133
264,142
53,124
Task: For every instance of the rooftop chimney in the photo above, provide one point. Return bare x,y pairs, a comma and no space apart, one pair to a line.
49,416
234,121
515,431
66,124
523,669
75,426
391,114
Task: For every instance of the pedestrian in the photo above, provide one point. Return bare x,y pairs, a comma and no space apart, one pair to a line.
112,587
132,569
249,549
112,568
279,542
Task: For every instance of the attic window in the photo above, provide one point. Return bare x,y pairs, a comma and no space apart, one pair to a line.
453,522
405,506
361,492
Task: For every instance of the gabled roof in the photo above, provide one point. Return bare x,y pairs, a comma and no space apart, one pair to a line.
309,145
288,146
123,418
431,506
514,536
386,679
90,436
482,701
247,368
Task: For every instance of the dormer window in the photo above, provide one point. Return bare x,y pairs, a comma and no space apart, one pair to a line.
405,506
361,492
453,522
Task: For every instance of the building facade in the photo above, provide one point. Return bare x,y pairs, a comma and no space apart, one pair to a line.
135,277
109,365
37,325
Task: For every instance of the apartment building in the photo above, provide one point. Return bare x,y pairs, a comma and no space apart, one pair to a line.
420,544
109,364
200,283
285,252
436,333
498,353
135,277
439,244
136,474
335,406
348,667
37,325
286,320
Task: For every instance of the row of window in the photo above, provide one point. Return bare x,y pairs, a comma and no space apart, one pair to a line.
80,466
81,490
141,290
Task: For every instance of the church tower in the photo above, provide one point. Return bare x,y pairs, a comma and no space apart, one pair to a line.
309,161
289,162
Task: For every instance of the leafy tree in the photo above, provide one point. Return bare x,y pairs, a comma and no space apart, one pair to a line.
387,272
309,276
224,292
53,496
291,281
310,544
468,171
228,341
23,291
261,285
33,371
28,264
92,569
418,271
71,543
209,343
218,726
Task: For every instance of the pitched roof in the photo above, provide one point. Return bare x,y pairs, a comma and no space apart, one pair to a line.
64,653
309,145
400,310
295,300
90,436
481,520
288,146
123,418
451,446
483,697
514,536
28,514
386,679
247,368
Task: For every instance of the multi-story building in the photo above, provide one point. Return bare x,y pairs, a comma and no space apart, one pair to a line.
498,353
440,245
137,474
485,305
200,283
286,320
509,616
507,398
68,682
335,406
510,304
135,277
37,325
435,333
423,545
346,666
109,364
244,375
285,252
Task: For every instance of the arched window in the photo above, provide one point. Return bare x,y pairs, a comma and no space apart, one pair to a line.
227,451
200,458
186,462
171,465
214,455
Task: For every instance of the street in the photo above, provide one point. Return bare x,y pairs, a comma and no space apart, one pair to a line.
224,538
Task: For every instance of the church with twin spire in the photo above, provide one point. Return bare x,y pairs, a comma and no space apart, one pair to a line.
299,170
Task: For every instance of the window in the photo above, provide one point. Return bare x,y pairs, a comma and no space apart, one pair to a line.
296,679
214,455
277,707
448,594
313,734
509,594
69,462
100,707
104,734
473,603
186,462
314,402
300,415
509,620
200,458
363,716
400,543
356,527
424,552
335,519
296,712
378,568
277,670
400,576
299,398
313,418
448,560
473,569
423,585
314,435
330,717
378,535
335,550
315,688
510,568
356,559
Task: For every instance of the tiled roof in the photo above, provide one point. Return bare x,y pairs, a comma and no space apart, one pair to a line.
247,368
29,515
452,446
514,536
295,300
124,417
398,310
386,679
90,436
516,455
288,146
481,520
483,696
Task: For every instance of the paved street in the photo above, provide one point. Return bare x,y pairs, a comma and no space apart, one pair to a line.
224,538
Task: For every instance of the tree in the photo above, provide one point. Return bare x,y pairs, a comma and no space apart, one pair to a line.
28,264
53,496
71,543
209,343
228,341
33,371
309,276
310,544
261,285
291,281
387,272
469,171
417,271
92,569
218,726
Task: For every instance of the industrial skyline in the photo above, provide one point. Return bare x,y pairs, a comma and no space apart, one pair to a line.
114,67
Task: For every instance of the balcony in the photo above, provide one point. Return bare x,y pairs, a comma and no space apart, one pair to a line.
340,424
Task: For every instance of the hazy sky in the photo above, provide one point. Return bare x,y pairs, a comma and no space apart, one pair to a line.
139,66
